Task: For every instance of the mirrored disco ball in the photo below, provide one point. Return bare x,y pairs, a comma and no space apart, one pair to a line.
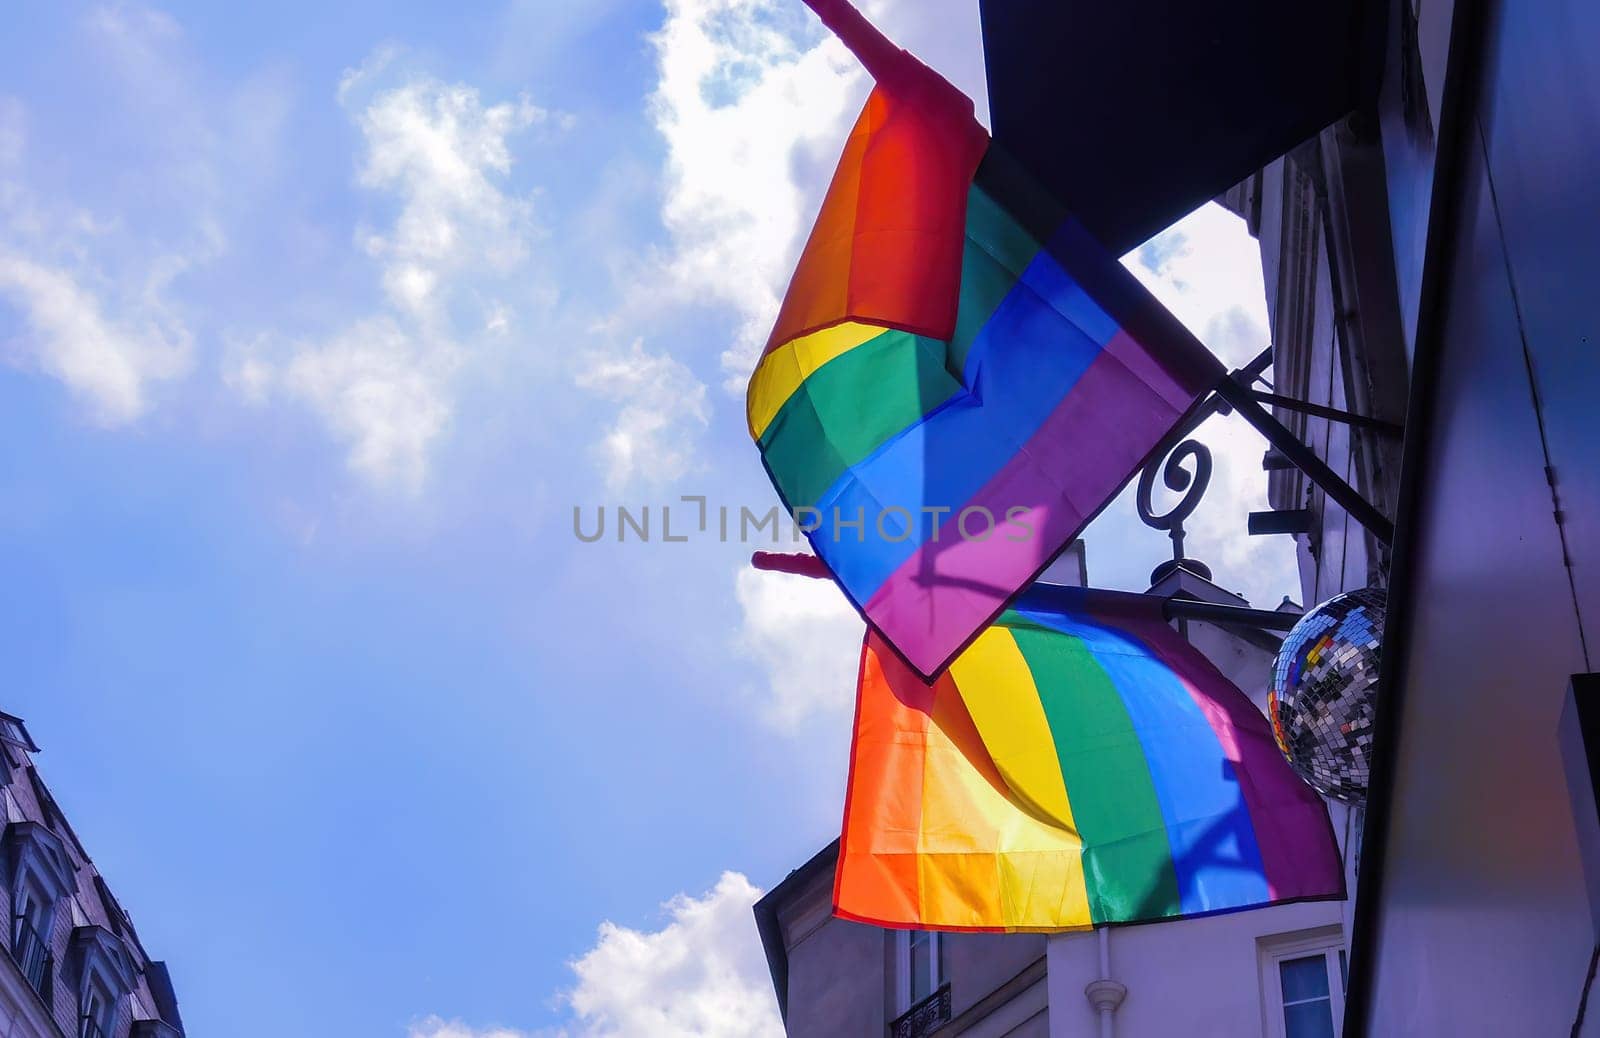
1321,698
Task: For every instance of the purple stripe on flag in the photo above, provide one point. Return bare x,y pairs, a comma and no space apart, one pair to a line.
1088,446
1149,371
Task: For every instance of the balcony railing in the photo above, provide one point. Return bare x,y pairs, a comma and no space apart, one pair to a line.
924,1017
33,956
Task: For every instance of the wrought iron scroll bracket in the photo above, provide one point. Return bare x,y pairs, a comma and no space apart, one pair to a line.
1168,460
1191,484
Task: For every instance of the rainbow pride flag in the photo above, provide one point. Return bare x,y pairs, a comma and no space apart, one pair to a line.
960,376
1080,764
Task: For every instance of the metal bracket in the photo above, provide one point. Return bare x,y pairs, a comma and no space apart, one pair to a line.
1282,520
1226,615
1235,392
805,564
1332,414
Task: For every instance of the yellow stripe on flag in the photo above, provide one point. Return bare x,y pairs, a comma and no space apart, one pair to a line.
998,688
983,860
781,372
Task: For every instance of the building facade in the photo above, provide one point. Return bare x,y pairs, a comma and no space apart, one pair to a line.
1430,264
75,967
1471,878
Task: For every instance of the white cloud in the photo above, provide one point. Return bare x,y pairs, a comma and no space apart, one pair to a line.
805,638
440,150
753,102
90,292
702,975
1206,268
662,405
382,390
105,361
435,1027
384,385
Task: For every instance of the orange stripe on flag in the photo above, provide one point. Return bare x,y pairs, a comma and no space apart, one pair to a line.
933,836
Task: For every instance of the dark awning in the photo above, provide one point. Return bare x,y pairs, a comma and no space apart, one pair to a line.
1134,112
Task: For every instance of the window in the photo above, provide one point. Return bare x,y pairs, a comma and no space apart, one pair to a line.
1302,979
40,878
921,966
922,987
32,907
94,1016
13,732
30,934
105,976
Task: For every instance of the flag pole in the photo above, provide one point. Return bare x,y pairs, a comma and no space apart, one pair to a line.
877,53
806,565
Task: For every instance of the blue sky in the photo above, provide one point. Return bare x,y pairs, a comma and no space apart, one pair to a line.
318,321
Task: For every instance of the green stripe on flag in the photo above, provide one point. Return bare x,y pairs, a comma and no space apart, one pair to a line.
1127,860
862,398
997,251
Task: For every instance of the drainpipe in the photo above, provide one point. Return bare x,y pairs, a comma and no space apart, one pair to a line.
1105,994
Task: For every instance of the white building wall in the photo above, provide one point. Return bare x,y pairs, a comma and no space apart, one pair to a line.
1189,977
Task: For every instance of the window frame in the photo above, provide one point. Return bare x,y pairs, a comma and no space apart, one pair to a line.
14,732
95,1006
30,903
104,971
1272,951
41,874
902,971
